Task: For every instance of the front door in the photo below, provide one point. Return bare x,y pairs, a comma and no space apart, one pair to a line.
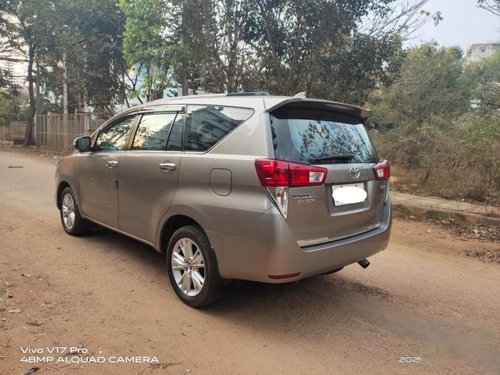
99,172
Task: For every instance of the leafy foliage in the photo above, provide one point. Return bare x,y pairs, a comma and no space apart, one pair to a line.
484,77
317,46
28,27
281,46
429,84
88,32
439,122
150,48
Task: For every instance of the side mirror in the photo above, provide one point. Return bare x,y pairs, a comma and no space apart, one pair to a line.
82,144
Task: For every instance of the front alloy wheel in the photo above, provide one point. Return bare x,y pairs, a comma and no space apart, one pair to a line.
68,211
71,220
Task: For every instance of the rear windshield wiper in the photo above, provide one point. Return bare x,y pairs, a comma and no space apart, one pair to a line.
340,157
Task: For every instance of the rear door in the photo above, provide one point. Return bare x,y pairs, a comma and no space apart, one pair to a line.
338,142
148,173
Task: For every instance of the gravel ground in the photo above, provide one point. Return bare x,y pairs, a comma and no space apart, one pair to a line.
422,307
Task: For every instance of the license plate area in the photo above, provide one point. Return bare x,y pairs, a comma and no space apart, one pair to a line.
349,194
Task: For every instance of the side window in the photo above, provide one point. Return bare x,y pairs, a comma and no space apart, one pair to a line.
207,125
152,132
175,139
114,137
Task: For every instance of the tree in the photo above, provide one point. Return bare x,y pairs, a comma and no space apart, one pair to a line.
9,96
92,42
430,84
418,108
86,34
318,46
401,17
150,50
28,27
484,79
282,46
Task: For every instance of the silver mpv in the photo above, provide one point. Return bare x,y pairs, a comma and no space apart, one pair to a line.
246,187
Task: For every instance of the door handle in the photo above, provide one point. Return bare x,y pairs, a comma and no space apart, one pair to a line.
112,163
167,166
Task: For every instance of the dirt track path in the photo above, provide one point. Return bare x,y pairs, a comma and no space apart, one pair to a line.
110,295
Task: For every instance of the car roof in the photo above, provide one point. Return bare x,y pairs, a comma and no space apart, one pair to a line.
256,101
251,101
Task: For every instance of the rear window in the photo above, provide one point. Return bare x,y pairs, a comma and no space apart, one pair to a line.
318,137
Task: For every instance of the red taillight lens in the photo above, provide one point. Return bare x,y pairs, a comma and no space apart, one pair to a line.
382,170
273,173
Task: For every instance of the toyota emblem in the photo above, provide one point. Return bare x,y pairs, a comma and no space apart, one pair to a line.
355,172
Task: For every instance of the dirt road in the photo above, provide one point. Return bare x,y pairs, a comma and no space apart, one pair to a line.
109,295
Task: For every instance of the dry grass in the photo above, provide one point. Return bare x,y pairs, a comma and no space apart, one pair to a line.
467,184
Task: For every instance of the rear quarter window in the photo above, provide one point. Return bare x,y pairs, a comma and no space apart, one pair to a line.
207,125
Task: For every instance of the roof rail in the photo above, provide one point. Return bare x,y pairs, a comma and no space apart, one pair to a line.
255,93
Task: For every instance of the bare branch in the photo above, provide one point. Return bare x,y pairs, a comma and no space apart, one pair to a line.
405,17
492,6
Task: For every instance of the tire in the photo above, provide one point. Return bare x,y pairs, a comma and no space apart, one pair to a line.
71,220
192,267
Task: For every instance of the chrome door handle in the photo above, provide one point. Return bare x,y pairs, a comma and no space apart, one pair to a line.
112,163
167,166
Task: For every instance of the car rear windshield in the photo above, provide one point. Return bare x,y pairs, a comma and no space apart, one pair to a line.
320,137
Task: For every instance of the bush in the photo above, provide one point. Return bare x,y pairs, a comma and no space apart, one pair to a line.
457,161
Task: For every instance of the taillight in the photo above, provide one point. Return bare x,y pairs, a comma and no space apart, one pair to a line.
382,170
277,176
277,173
272,173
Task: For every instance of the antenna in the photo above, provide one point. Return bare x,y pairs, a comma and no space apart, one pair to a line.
302,95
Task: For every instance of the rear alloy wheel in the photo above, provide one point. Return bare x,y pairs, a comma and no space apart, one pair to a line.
192,267
71,220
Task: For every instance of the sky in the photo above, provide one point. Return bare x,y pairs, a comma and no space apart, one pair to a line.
463,24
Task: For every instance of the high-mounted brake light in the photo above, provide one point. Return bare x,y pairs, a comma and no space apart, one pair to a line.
382,170
277,173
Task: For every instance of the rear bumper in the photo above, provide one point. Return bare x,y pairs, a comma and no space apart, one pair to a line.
268,248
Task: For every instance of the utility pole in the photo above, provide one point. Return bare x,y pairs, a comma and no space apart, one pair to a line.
65,85
65,102
38,106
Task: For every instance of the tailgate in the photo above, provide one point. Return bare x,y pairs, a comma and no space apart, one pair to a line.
351,200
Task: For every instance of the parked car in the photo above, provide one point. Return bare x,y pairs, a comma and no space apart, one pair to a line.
247,187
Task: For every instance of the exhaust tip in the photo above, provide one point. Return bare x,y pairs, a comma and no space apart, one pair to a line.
364,263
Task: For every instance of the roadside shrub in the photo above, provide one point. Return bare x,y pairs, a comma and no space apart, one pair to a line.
456,161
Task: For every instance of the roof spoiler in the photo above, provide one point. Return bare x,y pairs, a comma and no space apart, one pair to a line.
300,102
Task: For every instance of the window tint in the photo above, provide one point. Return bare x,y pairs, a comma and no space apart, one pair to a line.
114,138
207,125
323,140
175,139
152,132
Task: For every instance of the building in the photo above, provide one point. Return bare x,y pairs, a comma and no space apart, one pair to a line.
479,51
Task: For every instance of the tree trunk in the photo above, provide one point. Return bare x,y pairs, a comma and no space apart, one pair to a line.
28,136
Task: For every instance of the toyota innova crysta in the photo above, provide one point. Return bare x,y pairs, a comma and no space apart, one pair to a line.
233,187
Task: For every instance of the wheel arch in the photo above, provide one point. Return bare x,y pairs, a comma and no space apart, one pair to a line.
62,185
171,225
